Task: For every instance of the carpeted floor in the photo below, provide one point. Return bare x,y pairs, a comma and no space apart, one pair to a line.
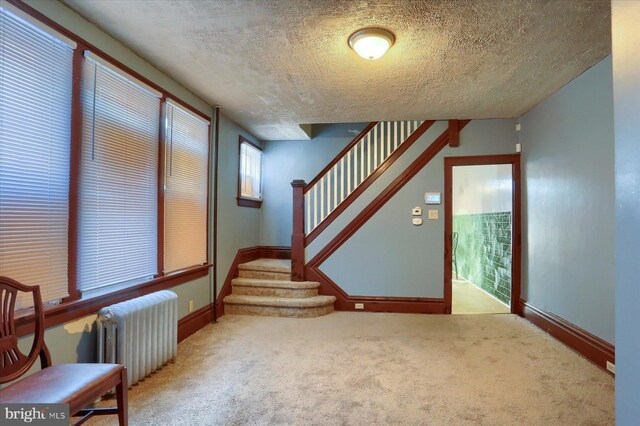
373,369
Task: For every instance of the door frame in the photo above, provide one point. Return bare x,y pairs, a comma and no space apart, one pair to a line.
516,223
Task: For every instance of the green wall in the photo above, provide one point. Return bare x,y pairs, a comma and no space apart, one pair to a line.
75,341
484,251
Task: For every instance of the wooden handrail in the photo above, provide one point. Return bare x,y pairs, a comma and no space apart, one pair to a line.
341,154
411,139
377,203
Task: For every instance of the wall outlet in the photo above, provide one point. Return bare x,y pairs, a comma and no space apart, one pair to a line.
611,367
518,147
359,305
190,305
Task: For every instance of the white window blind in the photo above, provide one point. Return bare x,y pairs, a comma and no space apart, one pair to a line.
250,171
35,131
185,189
119,177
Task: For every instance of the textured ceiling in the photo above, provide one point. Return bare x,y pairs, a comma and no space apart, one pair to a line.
275,64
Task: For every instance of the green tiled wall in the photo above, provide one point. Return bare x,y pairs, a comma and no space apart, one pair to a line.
484,251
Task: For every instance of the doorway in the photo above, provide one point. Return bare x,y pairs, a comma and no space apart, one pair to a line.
482,234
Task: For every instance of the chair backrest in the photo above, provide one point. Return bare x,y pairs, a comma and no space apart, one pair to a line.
14,363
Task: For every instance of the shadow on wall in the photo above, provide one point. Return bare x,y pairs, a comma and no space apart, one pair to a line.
74,341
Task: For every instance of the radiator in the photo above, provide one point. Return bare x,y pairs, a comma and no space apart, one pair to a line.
141,333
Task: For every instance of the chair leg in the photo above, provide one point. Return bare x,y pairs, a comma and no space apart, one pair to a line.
121,394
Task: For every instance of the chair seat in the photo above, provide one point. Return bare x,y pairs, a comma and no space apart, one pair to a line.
73,384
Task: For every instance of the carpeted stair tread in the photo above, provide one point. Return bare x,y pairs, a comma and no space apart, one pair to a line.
267,265
285,302
256,282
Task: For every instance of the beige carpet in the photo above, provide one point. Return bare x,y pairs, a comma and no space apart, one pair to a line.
469,299
374,369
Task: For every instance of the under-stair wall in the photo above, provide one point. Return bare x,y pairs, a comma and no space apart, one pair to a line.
387,257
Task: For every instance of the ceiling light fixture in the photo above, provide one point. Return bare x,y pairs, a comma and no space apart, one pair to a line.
371,43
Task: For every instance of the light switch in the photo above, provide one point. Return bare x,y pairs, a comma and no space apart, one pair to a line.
433,214
416,211
417,221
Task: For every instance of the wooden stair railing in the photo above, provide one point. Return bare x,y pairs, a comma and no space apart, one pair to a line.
349,174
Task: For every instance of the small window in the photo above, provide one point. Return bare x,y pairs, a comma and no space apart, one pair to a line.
250,175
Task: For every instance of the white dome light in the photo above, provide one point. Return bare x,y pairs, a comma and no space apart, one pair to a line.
371,43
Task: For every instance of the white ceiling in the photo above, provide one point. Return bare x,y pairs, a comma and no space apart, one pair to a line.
275,64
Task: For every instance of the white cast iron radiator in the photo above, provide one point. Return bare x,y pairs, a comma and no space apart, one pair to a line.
141,333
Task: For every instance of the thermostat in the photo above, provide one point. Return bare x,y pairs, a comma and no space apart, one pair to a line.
432,198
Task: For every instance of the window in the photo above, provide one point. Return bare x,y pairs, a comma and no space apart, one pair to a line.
35,134
118,221
82,166
186,147
250,175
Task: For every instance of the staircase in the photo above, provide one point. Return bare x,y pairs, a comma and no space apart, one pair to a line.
264,288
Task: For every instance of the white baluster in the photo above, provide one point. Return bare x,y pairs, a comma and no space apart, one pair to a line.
395,135
362,160
349,172
388,139
342,179
402,123
335,186
368,155
315,204
307,199
375,148
322,183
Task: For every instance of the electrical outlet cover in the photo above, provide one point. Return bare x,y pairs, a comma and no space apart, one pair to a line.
611,367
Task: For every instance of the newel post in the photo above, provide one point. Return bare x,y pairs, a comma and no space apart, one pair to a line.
297,237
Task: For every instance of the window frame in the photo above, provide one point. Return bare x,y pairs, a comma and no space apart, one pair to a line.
78,304
242,200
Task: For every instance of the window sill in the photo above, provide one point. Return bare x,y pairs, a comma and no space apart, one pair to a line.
249,202
92,303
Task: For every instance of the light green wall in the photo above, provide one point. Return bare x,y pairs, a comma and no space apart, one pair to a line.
238,227
75,341
390,257
75,23
568,198
626,98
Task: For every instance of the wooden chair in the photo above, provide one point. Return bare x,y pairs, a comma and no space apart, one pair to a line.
75,384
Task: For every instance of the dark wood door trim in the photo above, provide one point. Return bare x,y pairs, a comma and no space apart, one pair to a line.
516,225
